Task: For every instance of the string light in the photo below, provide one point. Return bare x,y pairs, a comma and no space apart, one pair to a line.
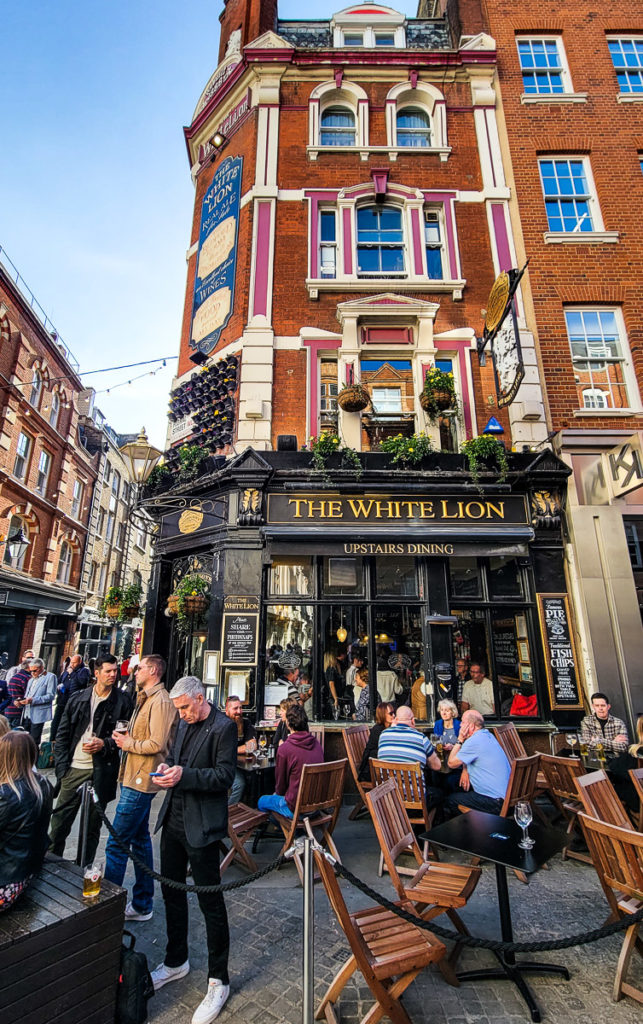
87,373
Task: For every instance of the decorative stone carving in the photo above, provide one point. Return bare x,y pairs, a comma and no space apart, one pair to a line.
234,43
250,508
546,508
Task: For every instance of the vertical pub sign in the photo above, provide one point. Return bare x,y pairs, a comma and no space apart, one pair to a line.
217,256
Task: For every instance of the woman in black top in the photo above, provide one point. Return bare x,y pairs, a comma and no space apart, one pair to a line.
25,810
384,716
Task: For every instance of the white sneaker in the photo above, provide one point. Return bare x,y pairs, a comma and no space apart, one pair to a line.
131,914
215,999
163,974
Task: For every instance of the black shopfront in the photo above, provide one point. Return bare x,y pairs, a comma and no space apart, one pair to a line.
412,571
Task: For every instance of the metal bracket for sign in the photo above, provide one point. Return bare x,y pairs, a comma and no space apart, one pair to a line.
148,513
488,337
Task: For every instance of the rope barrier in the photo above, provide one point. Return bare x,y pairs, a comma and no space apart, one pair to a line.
170,882
495,945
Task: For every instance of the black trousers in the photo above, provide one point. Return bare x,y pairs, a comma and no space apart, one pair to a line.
34,729
204,861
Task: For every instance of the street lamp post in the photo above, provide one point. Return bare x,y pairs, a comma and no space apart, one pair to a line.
17,545
142,457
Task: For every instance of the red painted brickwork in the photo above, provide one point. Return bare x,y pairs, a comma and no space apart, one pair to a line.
251,17
289,395
611,135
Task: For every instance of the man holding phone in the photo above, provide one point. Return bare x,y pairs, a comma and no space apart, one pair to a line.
86,752
145,743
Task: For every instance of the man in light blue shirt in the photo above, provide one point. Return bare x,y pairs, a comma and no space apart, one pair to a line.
485,767
403,743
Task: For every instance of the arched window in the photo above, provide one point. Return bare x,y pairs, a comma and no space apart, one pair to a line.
55,409
413,127
16,526
380,241
36,389
64,562
337,127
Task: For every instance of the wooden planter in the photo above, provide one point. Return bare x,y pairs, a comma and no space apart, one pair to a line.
112,610
173,604
443,400
353,399
195,604
131,611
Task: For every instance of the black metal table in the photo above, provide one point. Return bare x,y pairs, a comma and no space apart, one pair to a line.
260,777
496,839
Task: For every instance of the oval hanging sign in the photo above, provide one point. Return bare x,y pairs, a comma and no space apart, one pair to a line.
497,302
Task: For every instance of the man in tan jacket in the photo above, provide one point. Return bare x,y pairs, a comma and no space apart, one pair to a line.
145,744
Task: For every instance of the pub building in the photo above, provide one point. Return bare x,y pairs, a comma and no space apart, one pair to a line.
352,212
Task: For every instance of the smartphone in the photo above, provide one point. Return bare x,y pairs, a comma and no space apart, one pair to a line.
153,775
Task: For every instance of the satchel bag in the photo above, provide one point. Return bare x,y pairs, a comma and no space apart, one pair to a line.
135,986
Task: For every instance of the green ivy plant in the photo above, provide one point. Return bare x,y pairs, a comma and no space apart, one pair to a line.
190,586
156,477
131,599
483,450
190,457
407,450
437,380
331,444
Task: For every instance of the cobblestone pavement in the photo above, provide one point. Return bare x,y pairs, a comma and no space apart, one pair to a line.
265,962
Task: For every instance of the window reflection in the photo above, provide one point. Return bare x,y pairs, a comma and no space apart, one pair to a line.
396,577
291,576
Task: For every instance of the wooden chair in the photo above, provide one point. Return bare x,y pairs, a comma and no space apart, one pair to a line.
317,731
388,951
509,739
242,822
409,779
600,799
435,888
355,740
617,855
319,799
636,775
561,773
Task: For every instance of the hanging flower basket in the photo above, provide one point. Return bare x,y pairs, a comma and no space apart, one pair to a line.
195,604
353,398
438,393
130,612
112,610
173,604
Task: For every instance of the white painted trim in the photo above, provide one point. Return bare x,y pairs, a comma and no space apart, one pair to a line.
558,97
560,47
578,237
392,152
629,97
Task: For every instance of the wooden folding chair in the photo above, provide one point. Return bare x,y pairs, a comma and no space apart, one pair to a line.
561,773
242,822
410,783
600,799
355,740
317,731
509,739
388,951
319,799
435,888
636,775
617,855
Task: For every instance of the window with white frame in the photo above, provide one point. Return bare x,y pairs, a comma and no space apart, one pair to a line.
380,241
16,526
64,563
328,397
600,358
54,412
413,128
353,38
627,58
355,33
101,578
23,450
36,389
434,245
544,71
569,199
327,243
337,127
109,532
386,400
77,499
116,483
44,466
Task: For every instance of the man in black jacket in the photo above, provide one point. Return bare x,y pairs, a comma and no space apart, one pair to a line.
75,677
86,752
194,817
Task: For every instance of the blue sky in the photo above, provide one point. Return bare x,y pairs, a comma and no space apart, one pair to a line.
96,196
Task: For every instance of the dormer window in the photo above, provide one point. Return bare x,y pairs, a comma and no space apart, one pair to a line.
371,26
353,38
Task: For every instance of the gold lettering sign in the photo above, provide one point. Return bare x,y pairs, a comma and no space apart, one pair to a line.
394,510
190,520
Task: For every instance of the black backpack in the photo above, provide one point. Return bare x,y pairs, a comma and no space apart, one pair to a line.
135,986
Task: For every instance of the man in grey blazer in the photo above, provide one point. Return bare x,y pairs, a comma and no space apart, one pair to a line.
194,817
38,699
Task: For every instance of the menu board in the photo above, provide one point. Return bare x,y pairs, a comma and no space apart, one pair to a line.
240,630
505,647
559,652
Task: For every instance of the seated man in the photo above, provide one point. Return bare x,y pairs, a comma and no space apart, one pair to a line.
246,743
601,727
403,743
298,749
477,694
485,767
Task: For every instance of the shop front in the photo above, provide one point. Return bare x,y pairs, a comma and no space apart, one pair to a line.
413,575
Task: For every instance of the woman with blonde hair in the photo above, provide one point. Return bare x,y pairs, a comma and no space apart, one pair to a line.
447,726
25,810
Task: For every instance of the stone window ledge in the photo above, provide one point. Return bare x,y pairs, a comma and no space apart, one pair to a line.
554,97
391,151
578,237
336,284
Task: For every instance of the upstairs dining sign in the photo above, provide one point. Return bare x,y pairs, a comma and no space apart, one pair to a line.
400,510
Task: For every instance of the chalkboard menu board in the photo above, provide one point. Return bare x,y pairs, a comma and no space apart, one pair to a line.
240,630
505,646
559,652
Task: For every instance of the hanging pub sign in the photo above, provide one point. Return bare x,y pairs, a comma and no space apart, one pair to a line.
240,630
502,334
216,257
560,652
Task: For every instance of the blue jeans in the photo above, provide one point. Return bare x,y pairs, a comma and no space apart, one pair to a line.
237,788
274,803
131,822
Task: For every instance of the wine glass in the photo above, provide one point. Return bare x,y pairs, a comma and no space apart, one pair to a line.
600,750
572,739
346,711
335,712
263,742
523,817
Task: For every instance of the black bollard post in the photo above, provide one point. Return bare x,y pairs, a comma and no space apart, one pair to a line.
85,802
309,934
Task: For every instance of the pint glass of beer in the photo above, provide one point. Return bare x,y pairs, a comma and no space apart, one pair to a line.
92,877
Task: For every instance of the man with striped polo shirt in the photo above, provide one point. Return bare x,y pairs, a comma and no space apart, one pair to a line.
403,743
